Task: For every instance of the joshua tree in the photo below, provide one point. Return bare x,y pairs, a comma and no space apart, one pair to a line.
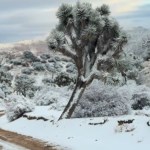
92,39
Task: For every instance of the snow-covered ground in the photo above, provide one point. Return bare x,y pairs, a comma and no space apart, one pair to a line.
86,133
78,134
9,146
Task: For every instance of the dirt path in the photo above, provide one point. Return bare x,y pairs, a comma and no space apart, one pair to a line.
9,146
24,141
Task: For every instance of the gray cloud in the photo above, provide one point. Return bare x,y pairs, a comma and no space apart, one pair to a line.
28,19
139,17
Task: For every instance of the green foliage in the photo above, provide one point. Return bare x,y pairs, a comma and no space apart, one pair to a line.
24,84
64,13
30,56
103,10
57,39
82,11
27,71
38,66
63,79
85,24
141,100
89,32
5,77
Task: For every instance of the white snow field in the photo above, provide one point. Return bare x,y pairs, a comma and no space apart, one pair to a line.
87,133
9,146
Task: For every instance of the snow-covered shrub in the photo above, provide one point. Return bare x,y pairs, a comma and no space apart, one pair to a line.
30,56
64,79
70,68
2,94
146,46
24,84
101,100
57,58
16,62
38,66
43,61
45,56
50,67
5,89
27,71
25,63
138,95
7,67
130,64
56,97
48,81
133,74
45,96
141,100
5,77
137,43
58,67
52,60
16,106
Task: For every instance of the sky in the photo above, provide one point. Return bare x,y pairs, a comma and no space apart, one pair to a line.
34,19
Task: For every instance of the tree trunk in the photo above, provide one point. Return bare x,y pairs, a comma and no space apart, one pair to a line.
74,100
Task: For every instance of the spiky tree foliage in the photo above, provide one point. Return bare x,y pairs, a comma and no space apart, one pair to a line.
146,46
93,39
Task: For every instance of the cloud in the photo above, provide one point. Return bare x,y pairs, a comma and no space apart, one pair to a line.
139,17
26,24
27,19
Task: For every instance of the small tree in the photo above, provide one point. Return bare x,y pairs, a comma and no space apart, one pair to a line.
24,84
92,39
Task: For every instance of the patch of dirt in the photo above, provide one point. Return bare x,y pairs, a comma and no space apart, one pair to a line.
24,141
2,113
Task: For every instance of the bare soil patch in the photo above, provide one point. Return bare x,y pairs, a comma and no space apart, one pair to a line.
24,141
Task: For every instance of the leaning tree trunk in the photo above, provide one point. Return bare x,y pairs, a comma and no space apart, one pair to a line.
74,100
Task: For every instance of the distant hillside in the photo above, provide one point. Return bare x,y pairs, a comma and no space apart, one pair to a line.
37,47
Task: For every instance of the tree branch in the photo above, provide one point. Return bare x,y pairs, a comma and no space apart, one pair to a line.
64,49
119,48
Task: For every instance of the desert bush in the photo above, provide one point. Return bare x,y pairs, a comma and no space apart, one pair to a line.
52,60
71,69
24,84
6,67
27,71
141,100
30,56
45,56
101,100
38,66
17,62
58,67
49,97
16,106
2,94
64,79
146,47
48,81
43,61
57,58
138,95
5,77
50,67
5,89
